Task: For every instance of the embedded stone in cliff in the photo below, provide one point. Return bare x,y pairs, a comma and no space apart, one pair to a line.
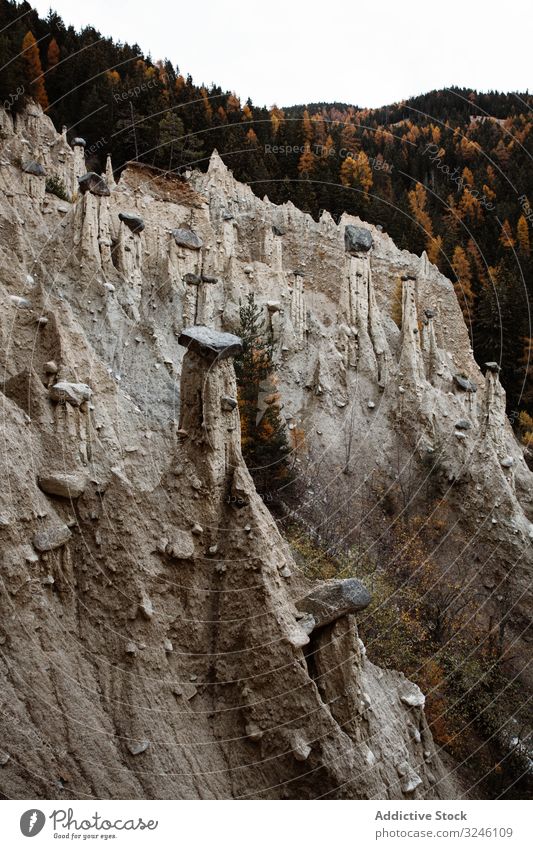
307,622
78,142
51,538
20,303
253,732
134,222
187,238
192,279
300,747
74,393
507,462
279,230
429,313
410,779
35,168
139,747
181,546
464,383
337,598
357,239
411,695
185,690
241,489
93,183
463,424
63,485
493,367
228,404
146,606
210,344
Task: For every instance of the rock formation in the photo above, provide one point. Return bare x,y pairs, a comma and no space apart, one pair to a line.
155,637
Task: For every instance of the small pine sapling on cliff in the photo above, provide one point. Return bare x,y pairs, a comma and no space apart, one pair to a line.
264,441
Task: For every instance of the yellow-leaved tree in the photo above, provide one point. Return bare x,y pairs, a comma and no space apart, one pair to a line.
34,70
463,281
506,235
356,172
53,54
418,203
522,235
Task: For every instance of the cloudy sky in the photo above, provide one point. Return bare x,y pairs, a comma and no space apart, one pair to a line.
289,51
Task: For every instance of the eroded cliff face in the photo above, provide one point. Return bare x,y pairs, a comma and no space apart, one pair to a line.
151,641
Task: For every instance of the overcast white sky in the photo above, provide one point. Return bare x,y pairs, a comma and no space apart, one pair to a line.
288,51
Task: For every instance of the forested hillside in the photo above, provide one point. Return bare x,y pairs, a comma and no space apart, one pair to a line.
448,171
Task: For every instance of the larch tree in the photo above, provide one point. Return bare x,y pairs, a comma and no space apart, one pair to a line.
506,235
251,138
328,147
417,198
347,172
277,118
233,104
53,54
363,171
34,70
463,282
307,128
470,208
522,235
467,176
349,139
307,162
208,109
356,172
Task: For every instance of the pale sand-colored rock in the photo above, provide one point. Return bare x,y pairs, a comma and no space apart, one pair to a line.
86,676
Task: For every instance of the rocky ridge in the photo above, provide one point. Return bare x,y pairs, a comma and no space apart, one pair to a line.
155,636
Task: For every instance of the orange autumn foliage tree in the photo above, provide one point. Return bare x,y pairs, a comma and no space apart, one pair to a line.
277,118
506,235
53,54
463,281
522,235
208,109
418,202
308,162
34,70
356,172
